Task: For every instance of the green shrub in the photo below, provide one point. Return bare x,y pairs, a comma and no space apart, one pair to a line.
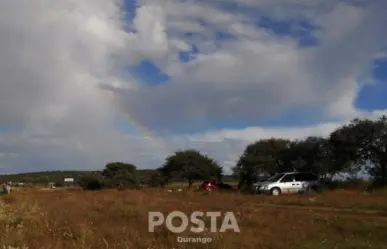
91,183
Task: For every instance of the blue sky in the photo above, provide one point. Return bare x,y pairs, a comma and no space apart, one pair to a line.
102,83
373,96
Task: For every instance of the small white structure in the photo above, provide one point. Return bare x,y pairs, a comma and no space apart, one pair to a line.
69,180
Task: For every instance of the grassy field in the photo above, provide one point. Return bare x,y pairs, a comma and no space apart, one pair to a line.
234,184
119,219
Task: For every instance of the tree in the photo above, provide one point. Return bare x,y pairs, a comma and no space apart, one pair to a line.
270,156
190,165
365,142
123,175
264,157
144,175
318,155
156,179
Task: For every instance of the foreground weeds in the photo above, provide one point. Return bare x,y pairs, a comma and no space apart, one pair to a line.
108,219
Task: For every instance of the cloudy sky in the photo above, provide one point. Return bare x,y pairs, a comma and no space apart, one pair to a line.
85,82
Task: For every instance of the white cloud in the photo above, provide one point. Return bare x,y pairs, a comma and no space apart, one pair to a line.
61,83
381,56
39,151
256,133
52,62
257,76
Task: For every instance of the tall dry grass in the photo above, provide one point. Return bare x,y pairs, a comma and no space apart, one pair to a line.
119,219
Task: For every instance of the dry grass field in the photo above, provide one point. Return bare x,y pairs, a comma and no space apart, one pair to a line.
61,219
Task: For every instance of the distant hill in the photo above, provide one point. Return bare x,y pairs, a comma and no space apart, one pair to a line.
57,177
45,177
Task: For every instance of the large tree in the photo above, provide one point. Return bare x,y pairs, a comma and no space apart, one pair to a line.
270,156
318,155
365,141
264,157
120,174
190,165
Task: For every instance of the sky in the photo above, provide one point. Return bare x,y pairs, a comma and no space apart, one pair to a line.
86,82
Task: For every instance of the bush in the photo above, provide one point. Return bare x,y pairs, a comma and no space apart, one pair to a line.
90,183
246,189
156,180
128,182
375,184
350,184
225,186
59,184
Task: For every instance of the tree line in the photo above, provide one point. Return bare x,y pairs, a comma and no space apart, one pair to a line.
360,146
188,165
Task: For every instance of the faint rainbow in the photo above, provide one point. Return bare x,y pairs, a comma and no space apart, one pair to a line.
109,98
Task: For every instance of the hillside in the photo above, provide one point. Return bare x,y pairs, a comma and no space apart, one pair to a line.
45,177
58,176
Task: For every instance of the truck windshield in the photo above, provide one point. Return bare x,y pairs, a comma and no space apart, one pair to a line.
275,178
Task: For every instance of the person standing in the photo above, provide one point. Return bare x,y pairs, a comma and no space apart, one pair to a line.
6,188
